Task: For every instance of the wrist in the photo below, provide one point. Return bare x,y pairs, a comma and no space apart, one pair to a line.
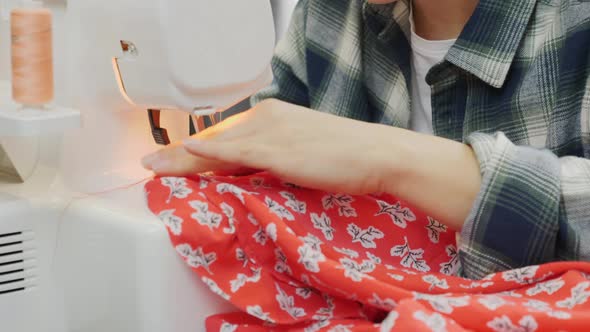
396,158
436,175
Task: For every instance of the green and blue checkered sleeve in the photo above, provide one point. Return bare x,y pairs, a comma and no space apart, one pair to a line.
533,208
288,64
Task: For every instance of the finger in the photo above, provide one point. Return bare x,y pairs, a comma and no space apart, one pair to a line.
241,153
176,161
154,158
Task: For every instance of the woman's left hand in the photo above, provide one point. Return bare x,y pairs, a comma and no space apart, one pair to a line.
305,147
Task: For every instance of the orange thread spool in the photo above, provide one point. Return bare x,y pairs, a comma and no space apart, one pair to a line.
32,56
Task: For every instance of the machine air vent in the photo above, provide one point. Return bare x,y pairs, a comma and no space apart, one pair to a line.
17,262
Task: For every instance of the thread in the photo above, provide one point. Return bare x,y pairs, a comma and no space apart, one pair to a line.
32,56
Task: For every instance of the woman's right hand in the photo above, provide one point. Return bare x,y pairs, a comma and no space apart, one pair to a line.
179,162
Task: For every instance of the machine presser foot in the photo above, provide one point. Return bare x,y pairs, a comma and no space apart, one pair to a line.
159,134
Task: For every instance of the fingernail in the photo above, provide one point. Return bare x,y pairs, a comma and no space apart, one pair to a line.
149,160
192,142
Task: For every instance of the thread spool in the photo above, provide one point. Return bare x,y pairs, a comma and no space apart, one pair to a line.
32,57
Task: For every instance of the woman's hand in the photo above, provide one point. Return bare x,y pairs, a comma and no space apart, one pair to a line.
175,160
326,152
308,148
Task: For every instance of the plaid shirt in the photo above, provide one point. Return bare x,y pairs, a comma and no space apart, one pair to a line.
515,86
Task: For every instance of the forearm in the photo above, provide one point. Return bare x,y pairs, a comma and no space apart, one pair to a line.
439,176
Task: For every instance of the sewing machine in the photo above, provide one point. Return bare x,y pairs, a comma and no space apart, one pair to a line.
76,255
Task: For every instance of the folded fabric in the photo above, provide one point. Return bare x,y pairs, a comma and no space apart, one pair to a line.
303,260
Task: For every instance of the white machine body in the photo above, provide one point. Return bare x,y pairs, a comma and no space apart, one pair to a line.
189,54
76,255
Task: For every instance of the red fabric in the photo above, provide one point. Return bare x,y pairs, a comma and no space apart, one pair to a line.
304,260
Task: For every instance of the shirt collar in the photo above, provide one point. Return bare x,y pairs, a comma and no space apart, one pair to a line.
489,42
382,19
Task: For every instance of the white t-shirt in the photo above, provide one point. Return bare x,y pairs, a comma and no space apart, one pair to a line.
425,54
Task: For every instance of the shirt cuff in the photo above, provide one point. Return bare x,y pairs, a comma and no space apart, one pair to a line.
514,221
